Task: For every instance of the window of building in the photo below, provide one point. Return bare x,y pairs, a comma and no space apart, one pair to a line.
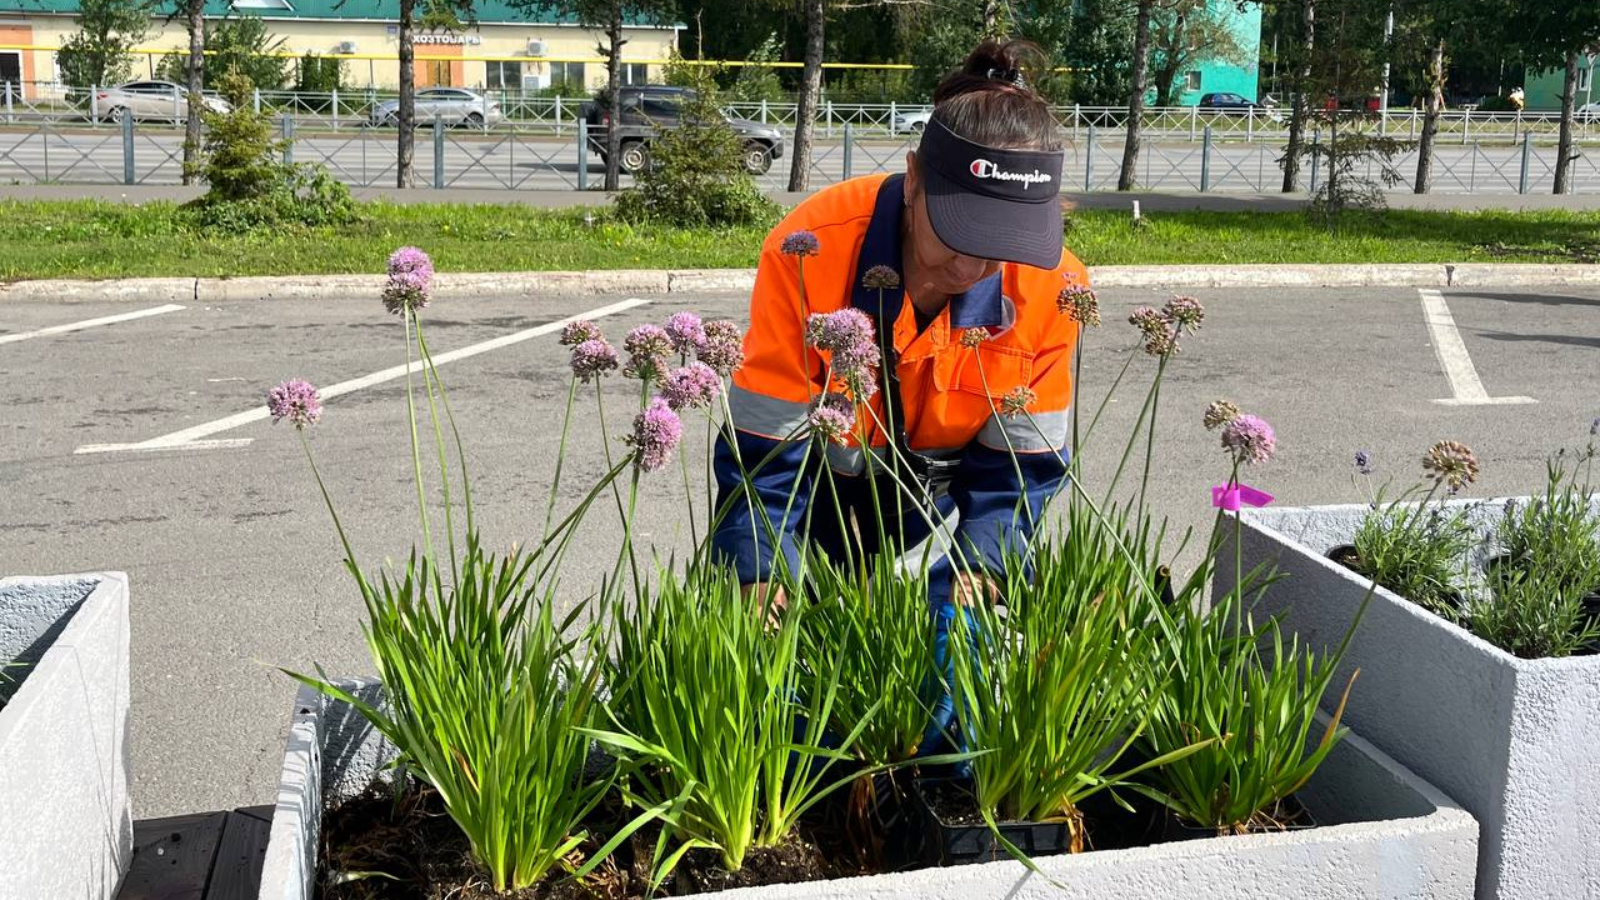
503,76
1585,78
567,75
1191,81
261,4
635,73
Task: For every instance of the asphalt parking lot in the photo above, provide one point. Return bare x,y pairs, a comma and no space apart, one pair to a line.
140,444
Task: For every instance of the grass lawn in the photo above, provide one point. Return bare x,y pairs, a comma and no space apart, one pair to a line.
94,239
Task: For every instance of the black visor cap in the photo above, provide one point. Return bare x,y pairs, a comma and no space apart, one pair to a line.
990,203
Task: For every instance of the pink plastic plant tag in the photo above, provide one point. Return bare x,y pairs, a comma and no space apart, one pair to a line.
1232,497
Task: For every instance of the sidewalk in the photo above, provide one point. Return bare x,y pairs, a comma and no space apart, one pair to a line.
1154,201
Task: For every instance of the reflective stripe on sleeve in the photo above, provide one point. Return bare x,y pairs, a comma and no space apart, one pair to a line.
1038,432
767,416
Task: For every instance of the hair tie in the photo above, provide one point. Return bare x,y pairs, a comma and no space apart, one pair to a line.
1013,76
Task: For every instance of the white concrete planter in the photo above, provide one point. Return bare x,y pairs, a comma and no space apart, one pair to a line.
1513,740
1386,834
67,823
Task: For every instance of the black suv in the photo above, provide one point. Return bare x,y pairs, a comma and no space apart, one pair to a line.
647,109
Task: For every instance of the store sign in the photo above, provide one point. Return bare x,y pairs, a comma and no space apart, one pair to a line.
446,38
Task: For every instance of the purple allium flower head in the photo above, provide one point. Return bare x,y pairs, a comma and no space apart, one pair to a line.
575,333
1147,320
656,433
832,417
800,243
1250,439
1184,311
648,347
410,281
724,346
1363,462
880,278
593,358
693,385
1163,342
296,400
1017,401
849,335
687,332
1078,301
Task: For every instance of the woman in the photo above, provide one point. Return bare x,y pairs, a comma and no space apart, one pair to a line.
971,413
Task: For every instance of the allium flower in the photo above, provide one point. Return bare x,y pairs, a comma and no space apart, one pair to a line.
656,433
972,337
648,347
724,347
1078,301
849,335
693,385
800,243
1250,439
575,333
1147,320
1184,311
1016,401
1363,462
832,417
1451,463
1219,413
593,358
410,281
1161,343
880,278
296,400
687,333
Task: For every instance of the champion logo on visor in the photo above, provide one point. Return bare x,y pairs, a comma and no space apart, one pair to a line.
983,168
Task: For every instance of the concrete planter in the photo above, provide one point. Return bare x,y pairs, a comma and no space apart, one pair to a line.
1513,740
63,736
1387,834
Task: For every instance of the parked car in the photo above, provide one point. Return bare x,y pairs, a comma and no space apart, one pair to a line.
1223,101
913,121
649,109
1589,112
151,100
452,106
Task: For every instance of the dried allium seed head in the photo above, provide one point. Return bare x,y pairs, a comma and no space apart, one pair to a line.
1219,413
1452,464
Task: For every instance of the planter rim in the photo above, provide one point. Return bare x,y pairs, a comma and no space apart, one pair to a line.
1265,520
104,587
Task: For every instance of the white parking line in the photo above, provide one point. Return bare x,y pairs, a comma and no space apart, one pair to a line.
1453,357
88,323
193,438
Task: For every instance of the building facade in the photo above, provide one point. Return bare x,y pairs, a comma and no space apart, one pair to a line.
504,49
1543,89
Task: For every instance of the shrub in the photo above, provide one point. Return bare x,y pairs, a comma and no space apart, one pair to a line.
249,186
696,176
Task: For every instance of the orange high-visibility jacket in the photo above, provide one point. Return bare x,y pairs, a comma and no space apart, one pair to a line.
953,396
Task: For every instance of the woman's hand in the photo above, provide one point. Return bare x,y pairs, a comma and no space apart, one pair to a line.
768,596
971,588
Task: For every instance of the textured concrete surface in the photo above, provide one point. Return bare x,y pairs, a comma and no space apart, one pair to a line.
1384,834
63,737
1512,740
239,569
630,282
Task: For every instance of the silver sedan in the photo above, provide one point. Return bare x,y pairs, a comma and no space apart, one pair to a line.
452,106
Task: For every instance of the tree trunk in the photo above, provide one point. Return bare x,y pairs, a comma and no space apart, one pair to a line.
1141,68
1564,154
1302,105
810,93
991,18
406,115
1166,80
1430,119
613,55
196,24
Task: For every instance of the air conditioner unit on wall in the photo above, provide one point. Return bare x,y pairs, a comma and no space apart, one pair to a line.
347,47
535,82
536,47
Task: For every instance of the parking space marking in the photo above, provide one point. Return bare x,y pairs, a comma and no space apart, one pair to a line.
89,323
193,438
1453,356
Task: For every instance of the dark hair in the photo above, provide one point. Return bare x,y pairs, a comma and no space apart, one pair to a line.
988,100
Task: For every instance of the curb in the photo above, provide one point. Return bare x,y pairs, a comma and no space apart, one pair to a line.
661,281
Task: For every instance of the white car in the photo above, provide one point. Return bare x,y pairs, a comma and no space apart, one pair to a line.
912,121
151,100
1589,112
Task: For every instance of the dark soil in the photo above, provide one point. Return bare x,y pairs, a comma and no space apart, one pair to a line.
426,857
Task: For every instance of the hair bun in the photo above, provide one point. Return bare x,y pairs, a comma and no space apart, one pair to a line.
990,65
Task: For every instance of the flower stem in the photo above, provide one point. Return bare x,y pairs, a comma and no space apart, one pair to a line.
561,454
416,447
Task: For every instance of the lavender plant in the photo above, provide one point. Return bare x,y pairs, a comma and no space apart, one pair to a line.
1417,548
